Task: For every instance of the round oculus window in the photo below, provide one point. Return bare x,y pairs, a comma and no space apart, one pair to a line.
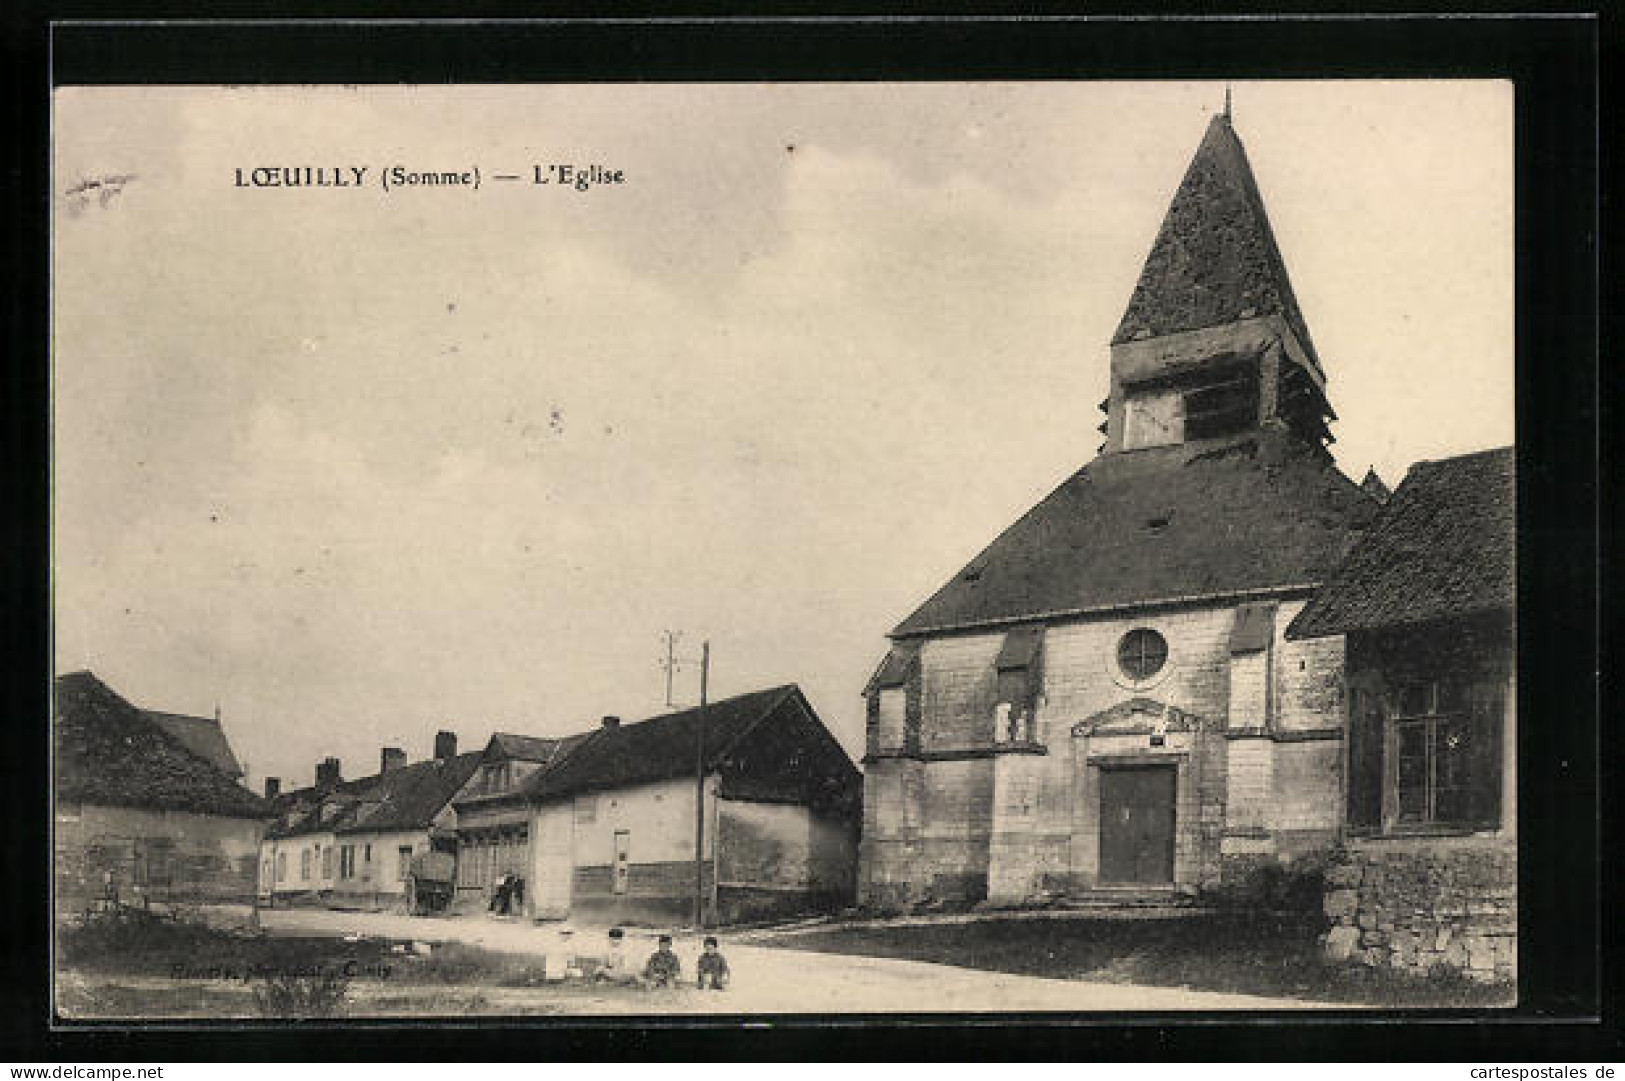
1141,653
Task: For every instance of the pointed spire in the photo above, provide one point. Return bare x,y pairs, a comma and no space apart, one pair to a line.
1215,260
1374,486
1227,115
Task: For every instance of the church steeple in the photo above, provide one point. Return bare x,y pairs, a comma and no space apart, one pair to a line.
1212,341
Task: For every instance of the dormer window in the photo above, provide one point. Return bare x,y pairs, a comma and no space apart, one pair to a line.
496,776
1020,680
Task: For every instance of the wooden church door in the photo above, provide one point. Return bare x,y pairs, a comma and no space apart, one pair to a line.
1137,825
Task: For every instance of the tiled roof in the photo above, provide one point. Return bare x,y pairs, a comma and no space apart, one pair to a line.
202,736
1443,546
658,748
1251,514
406,798
109,752
1215,259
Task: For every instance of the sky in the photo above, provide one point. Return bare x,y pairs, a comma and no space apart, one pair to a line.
356,465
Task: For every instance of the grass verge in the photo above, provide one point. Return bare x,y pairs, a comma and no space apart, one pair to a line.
134,963
1277,956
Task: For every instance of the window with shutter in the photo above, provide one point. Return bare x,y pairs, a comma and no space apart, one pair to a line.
1447,750
1365,758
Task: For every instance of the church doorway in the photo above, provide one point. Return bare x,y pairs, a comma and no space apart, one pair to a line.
1137,825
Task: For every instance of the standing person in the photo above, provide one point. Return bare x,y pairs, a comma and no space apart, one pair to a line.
713,966
498,892
663,968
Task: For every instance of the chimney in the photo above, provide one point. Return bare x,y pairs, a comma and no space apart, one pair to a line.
391,758
273,787
612,721
445,744
327,772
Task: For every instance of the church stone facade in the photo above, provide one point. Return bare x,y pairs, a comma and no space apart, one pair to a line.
1105,697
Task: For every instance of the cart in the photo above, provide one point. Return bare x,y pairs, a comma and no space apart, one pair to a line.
431,881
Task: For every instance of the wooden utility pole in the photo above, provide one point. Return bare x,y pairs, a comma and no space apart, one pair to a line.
699,790
671,663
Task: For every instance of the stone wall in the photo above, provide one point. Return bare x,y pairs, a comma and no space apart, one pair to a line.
163,855
657,893
959,690
1419,903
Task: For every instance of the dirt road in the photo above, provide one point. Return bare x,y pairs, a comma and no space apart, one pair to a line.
779,981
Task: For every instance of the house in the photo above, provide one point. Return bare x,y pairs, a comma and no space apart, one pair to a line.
610,821
352,842
1105,697
493,813
296,856
1425,603
140,814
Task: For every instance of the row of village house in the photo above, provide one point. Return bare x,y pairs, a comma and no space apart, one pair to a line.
1206,652
594,824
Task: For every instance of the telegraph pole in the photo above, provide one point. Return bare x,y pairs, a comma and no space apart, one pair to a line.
699,791
671,663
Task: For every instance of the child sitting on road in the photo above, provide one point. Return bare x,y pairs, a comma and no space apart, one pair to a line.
713,966
617,967
663,968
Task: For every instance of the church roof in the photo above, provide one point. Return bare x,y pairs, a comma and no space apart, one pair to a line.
1442,547
1215,259
1217,518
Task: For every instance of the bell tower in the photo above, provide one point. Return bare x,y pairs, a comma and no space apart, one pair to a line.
1212,344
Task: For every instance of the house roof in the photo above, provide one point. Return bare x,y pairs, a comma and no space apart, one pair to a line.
405,798
109,752
525,748
1251,514
1443,547
658,748
409,797
1215,259
203,736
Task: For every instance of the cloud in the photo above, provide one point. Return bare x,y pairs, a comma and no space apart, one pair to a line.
364,466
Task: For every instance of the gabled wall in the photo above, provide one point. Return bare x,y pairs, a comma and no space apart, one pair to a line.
167,854
972,816
573,856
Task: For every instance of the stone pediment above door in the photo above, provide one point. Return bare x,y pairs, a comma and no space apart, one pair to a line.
1140,715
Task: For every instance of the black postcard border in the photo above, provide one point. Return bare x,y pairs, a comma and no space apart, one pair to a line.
1565,402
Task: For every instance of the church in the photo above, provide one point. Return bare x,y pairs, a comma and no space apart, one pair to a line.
1105,698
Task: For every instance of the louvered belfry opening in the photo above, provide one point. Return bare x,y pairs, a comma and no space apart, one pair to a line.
1212,343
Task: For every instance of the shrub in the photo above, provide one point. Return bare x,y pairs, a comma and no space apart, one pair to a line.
123,935
297,996
1297,888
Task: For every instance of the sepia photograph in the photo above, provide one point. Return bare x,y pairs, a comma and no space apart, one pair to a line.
783,548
